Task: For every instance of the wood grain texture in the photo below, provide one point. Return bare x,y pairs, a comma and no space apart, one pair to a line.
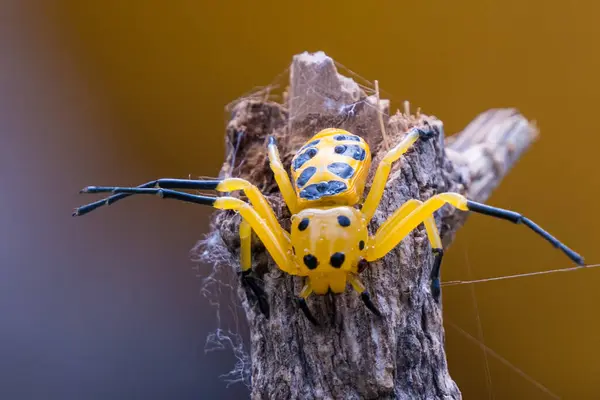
353,354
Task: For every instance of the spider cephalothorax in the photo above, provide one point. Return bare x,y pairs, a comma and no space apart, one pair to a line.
329,242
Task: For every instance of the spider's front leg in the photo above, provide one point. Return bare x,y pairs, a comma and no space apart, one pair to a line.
385,166
410,215
281,176
261,218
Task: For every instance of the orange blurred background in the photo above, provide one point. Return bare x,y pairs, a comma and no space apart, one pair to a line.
115,92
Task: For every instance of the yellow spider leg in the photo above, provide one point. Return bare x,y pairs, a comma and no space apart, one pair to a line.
245,245
399,225
356,283
432,231
358,286
306,290
281,176
262,219
257,199
395,229
246,267
383,171
433,235
270,236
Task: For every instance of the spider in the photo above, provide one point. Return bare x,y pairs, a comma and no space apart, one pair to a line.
329,243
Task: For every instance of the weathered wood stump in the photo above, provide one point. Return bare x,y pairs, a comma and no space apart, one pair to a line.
353,354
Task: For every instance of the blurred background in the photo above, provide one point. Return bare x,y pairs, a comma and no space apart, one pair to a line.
121,92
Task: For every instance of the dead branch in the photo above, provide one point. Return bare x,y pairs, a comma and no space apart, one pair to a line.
353,354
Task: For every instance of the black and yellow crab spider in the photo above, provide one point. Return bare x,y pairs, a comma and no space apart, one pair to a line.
329,239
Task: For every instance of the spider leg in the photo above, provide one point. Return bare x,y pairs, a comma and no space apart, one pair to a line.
398,226
265,218
301,300
520,219
254,195
364,294
272,235
432,234
281,176
383,170
247,277
436,286
167,183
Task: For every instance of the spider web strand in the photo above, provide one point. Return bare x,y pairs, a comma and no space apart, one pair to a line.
499,278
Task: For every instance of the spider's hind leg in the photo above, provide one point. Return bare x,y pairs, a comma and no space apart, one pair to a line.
436,287
387,228
438,253
247,277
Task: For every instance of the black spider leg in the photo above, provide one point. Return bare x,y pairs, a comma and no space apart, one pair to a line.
436,288
246,277
519,219
249,279
163,193
307,313
366,298
166,183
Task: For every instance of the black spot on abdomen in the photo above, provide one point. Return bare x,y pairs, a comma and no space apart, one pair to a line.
310,261
305,176
302,158
317,190
337,259
341,169
361,245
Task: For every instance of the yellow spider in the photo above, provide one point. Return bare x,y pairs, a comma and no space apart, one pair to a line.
329,241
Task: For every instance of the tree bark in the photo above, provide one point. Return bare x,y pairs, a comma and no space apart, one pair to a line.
353,354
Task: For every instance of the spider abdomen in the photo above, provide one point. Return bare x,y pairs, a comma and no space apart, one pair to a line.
331,169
